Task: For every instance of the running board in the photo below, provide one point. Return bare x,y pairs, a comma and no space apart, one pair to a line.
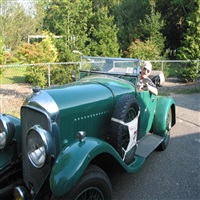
148,144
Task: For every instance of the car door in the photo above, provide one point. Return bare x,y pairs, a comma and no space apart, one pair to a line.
147,103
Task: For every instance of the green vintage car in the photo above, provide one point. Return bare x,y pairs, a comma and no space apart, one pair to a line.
10,155
71,133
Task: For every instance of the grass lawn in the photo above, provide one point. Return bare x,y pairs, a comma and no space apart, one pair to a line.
170,69
13,75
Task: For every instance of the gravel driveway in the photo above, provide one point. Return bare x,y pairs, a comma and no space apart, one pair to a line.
12,97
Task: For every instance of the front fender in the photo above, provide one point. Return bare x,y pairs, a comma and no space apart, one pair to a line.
17,135
72,162
12,151
164,104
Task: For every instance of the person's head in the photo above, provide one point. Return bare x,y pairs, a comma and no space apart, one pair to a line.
146,68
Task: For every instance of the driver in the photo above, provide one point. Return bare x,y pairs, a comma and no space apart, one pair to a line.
145,80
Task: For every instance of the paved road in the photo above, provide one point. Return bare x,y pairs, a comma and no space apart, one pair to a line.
173,174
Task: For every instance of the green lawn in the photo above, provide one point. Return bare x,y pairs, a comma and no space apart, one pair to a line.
169,68
172,69
13,75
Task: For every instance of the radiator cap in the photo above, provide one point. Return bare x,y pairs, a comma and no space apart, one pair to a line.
36,90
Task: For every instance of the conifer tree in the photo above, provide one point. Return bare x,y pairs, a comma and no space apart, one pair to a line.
103,35
151,28
190,45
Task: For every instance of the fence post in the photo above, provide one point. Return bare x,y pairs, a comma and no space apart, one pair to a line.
49,74
1,104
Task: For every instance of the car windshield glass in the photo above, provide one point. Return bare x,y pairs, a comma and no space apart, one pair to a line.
110,65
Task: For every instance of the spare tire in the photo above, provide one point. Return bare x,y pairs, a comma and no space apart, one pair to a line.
126,109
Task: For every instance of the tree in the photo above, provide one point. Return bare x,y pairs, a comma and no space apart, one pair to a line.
103,35
69,19
150,41
2,53
143,50
151,28
98,4
190,45
174,13
127,15
2,56
17,23
84,31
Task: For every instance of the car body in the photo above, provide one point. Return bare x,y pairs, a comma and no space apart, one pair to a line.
70,133
10,155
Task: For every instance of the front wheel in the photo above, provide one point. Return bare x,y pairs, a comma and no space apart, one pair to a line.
94,184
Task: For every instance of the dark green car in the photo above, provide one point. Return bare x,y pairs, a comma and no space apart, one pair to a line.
71,133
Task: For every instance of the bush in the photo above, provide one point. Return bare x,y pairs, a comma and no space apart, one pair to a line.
143,50
188,73
63,75
1,71
37,75
43,52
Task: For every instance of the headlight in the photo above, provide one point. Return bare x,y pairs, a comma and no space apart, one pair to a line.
7,131
2,138
39,146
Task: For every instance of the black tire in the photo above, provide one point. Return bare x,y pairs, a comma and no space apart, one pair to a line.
94,184
165,142
126,109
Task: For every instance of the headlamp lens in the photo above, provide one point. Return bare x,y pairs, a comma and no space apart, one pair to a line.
36,148
2,139
7,131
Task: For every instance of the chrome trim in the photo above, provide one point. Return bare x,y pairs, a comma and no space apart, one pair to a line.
20,193
81,136
43,100
8,128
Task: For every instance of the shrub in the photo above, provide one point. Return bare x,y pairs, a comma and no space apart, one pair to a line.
37,75
63,75
190,44
188,72
143,50
43,52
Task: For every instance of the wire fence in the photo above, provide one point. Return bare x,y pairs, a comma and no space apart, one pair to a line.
15,85
15,81
172,68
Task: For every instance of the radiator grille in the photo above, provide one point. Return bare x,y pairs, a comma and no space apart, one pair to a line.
31,117
33,177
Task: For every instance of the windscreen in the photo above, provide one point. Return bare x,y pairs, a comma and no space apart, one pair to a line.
110,65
